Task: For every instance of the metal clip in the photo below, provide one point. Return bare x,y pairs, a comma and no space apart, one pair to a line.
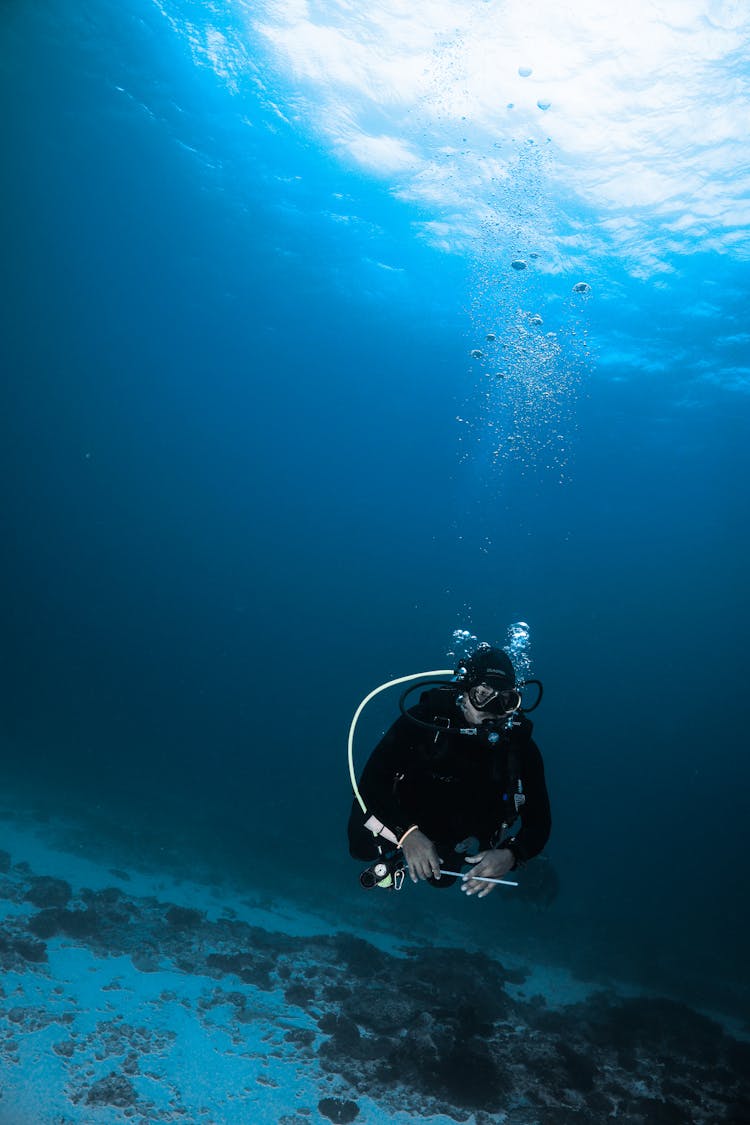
437,721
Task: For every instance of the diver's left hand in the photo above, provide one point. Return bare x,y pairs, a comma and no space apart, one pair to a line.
495,863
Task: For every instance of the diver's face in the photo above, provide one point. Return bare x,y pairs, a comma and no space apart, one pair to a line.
471,714
480,695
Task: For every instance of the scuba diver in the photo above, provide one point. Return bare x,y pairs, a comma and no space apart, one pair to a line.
457,779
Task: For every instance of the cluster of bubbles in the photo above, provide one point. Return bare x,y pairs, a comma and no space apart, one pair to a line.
518,648
463,643
517,645
529,343
529,374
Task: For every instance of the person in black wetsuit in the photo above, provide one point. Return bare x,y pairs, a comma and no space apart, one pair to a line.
452,778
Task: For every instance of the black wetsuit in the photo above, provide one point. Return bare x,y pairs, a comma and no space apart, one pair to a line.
453,786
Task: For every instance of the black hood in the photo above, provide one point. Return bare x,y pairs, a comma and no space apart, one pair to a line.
491,663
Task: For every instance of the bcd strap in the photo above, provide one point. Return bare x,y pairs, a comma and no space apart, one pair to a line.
519,797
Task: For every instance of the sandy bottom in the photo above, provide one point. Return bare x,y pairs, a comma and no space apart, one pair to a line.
132,996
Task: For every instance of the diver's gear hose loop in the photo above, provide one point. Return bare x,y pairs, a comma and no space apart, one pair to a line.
360,709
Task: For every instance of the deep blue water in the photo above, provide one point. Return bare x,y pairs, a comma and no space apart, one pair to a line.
237,495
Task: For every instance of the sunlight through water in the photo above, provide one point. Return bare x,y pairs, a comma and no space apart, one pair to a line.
539,144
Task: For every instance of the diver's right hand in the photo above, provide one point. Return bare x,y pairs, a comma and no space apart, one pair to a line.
421,856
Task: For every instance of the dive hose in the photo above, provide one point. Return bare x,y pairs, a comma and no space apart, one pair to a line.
360,709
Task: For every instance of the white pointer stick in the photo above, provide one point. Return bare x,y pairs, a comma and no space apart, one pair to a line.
480,878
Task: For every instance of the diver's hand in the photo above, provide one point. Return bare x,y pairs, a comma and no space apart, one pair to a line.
495,863
421,856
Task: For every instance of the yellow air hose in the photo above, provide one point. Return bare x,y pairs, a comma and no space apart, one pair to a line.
363,704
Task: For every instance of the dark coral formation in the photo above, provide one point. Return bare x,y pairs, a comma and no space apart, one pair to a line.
115,1090
46,891
341,1111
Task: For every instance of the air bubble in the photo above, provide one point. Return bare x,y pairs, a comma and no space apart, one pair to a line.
525,71
463,643
475,353
518,647
518,264
581,287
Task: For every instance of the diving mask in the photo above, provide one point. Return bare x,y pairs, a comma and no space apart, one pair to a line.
495,700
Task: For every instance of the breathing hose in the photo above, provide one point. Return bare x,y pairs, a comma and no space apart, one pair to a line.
360,709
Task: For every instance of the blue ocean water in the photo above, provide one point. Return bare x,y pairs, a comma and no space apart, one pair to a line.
251,468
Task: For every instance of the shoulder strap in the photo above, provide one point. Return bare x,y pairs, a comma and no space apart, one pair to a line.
507,771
